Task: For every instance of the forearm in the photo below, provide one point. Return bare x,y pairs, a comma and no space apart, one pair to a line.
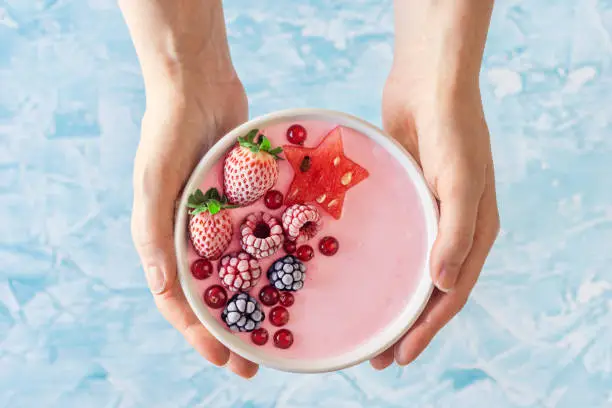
441,42
179,39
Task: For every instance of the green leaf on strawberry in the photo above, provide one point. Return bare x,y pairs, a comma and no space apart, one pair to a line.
265,144
214,206
211,202
261,144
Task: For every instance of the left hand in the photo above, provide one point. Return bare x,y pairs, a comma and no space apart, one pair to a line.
447,134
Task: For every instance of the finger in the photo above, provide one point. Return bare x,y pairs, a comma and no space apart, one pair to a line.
383,360
459,200
440,309
444,306
174,307
152,231
242,367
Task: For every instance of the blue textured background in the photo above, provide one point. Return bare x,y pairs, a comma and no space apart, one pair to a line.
77,325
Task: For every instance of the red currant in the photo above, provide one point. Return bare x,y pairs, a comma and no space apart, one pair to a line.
201,269
286,299
328,246
296,134
268,295
283,339
289,246
215,297
279,316
305,253
273,199
259,336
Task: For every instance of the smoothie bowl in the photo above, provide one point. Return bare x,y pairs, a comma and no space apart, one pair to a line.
303,240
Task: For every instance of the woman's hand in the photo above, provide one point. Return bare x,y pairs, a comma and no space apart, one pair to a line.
432,105
175,135
193,98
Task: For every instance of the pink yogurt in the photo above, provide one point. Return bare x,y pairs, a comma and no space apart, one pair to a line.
349,297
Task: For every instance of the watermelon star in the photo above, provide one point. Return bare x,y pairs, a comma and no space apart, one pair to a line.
323,174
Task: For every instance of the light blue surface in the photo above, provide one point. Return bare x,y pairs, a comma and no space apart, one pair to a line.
77,325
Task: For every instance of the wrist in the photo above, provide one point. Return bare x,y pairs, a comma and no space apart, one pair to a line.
177,42
188,76
439,45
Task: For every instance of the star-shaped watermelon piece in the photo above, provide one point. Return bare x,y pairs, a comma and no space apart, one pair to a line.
323,174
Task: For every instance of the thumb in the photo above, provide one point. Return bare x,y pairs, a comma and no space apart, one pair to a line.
152,230
459,200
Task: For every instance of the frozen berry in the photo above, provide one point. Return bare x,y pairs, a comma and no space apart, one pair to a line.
201,269
328,246
286,299
273,199
296,134
239,271
283,339
287,273
268,295
215,297
261,235
289,247
305,253
279,316
301,222
259,336
242,313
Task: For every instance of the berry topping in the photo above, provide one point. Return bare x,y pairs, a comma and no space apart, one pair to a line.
215,297
259,336
286,299
323,174
305,253
273,199
210,226
262,235
301,222
289,247
283,339
250,169
239,271
242,313
328,246
268,295
201,269
279,316
287,273
296,134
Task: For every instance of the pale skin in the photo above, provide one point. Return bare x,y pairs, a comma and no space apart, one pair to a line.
431,104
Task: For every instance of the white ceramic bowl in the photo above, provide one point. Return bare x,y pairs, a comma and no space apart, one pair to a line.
375,345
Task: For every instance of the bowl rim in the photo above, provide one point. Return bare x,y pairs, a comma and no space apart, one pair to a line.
380,341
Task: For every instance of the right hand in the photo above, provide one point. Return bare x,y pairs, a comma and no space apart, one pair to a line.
180,124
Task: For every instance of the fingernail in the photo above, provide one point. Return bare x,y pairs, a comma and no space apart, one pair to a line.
156,279
445,281
401,358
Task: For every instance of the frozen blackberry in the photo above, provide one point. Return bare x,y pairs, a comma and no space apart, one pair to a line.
242,313
287,273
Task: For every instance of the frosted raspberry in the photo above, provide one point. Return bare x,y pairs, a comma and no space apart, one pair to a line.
301,222
262,235
239,271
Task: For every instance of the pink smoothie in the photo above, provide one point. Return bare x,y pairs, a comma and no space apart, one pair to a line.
347,298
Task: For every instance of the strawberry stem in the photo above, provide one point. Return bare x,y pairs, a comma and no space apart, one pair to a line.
211,202
262,144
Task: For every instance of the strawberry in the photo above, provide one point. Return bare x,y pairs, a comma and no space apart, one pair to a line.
250,169
210,226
